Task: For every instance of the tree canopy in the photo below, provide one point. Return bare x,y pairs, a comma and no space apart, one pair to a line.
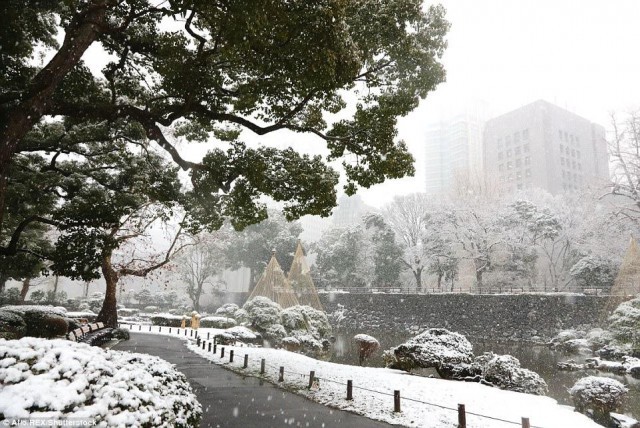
204,72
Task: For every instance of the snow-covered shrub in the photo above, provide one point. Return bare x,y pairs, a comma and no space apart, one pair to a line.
565,336
614,352
624,323
306,318
243,334
120,334
241,316
127,312
262,313
275,332
12,326
41,321
10,296
168,320
87,315
367,346
598,338
433,348
58,379
217,322
225,338
504,371
151,309
602,395
227,310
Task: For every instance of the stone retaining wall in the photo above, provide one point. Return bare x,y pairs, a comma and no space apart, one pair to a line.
494,317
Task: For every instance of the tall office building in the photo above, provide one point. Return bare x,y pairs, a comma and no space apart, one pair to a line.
454,146
545,146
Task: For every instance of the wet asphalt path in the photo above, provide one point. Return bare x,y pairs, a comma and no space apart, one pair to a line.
231,400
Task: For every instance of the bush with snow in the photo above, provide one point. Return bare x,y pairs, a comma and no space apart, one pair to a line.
435,348
127,312
39,321
624,323
602,395
367,346
59,379
504,371
227,310
262,313
12,325
168,320
217,322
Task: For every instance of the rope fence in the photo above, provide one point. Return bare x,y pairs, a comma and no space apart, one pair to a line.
211,345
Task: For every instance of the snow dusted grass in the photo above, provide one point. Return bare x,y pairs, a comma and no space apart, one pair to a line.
60,379
374,387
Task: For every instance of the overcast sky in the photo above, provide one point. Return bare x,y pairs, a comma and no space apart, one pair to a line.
579,54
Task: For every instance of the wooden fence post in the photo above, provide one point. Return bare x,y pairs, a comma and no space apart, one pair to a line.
262,366
215,347
462,416
525,423
349,389
281,377
231,356
198,342
222,352
396,401
139,327
312,374
209,350
208,333
149,328
246,361
169,330
159,329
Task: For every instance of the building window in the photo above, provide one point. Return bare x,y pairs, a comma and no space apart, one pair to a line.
517,150
578,153
562,161
520,186
499,143
501,167
573,164
527,160
563,174
499,155
525,148
518,163
510,177
509,152
519,175
516,137
579,166
507,141
525,134
566,135
527,173
573,153
509,165
560,133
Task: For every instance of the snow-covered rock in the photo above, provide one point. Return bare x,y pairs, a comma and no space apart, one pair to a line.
504,371
432,348
58,379
367,346
602,395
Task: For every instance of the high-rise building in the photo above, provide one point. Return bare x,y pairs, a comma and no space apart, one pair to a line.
545,146
454,147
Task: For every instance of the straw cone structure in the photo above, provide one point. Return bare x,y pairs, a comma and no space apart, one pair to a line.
627,283
275,286
301,282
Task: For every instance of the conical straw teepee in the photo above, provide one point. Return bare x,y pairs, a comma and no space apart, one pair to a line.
627,283
301,282
274,285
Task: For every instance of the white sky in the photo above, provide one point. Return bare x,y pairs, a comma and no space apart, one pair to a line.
579,54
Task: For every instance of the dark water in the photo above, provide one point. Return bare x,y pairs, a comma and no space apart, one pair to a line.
540,359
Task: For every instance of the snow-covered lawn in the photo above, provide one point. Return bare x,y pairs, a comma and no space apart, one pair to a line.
59,379
425,402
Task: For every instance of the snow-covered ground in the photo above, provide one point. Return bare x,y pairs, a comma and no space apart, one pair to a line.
45,380
425,402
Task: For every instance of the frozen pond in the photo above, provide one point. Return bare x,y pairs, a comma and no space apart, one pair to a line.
540,359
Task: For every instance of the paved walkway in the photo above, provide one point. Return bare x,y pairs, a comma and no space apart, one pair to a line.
231,400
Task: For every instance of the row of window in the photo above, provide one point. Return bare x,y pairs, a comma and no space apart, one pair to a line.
567,137
517,150
517,176
517,163
570,163
569,152
514,138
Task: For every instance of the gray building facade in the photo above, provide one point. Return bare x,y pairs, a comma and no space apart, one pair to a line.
545,146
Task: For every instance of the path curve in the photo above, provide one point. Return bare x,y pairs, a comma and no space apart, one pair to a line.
231,400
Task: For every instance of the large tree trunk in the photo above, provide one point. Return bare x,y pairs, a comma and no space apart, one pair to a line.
109,312
55,284
418,276
479,282
25,288
16,121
